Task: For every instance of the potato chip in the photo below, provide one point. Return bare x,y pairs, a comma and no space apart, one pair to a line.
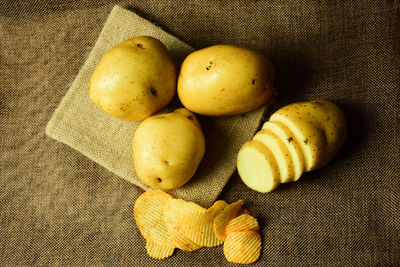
148,214
157,251
242,247
244,211
224,216
199,227
174,212
218,206
242,223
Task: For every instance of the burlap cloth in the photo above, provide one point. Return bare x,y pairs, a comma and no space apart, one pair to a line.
78,123
60,208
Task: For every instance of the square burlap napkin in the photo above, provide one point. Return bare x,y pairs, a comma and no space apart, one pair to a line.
78,122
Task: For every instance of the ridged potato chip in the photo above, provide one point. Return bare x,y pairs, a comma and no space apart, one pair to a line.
199,227
242,247
224,216
218,206
242,223
174,212
157,251
167,223
149,217
244,211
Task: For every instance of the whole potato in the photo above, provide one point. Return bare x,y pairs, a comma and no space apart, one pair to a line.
225,80
168,148
134,80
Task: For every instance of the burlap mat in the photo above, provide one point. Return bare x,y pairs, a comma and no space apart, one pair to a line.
78,123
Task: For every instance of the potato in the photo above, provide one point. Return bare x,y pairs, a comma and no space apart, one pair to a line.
168,148
134,80
319,127
225,80
306,131
334,126
301,137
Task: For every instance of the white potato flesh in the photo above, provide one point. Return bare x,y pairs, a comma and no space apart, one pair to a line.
287,137
257,167
280,152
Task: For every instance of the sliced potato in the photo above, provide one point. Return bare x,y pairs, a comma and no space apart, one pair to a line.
292,145
257,167
242,247
149,214
307,132
280,152
157,251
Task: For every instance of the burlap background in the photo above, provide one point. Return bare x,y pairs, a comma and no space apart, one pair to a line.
59,207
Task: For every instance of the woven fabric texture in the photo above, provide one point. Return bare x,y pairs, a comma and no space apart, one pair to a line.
58,207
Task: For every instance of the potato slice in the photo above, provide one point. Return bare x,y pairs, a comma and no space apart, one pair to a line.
174,215
281,154
288,139
242,223
223,218
257,167
242,247
157,251
148,214
307,132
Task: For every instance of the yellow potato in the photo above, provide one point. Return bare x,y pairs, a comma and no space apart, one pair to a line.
167,149
306,132
134,79
225,80
299,137
318,126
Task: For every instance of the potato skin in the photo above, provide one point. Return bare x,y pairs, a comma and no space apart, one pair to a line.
323,118
167,149
134,79
225,80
